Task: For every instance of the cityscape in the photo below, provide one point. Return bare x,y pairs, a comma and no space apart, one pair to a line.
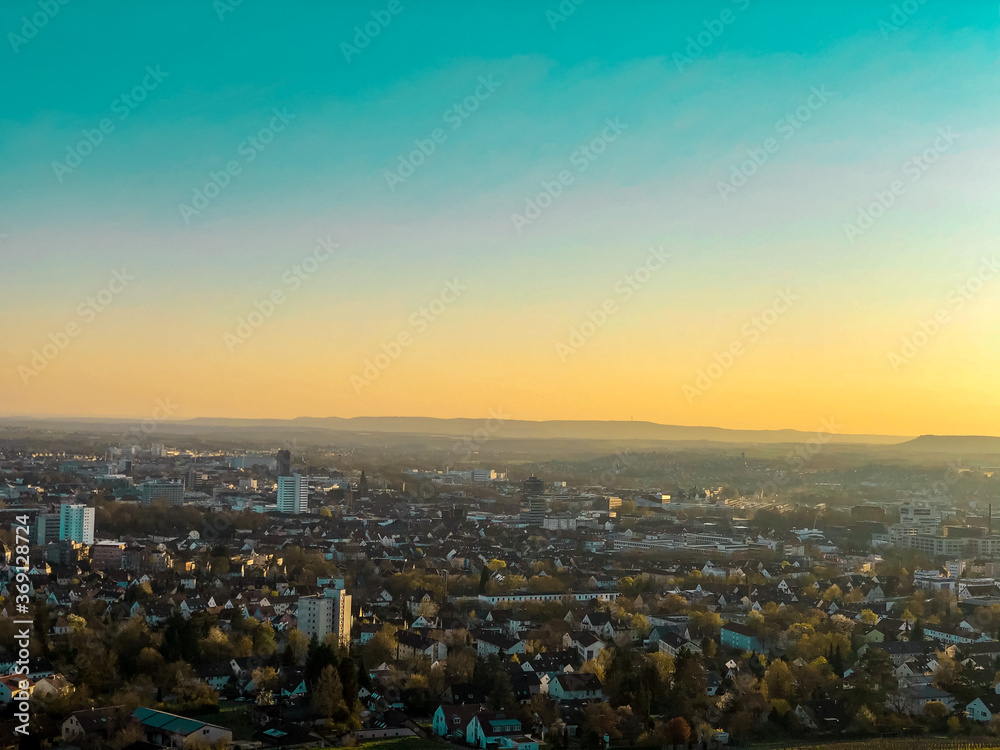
468,590
507,375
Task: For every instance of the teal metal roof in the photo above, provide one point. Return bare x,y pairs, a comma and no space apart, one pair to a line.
167,722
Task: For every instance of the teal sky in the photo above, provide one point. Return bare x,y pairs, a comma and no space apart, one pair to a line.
890,91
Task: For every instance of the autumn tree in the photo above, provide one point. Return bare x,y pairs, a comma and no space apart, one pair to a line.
778,681
678,731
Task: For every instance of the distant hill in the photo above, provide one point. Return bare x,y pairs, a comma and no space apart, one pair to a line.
515,429
981,445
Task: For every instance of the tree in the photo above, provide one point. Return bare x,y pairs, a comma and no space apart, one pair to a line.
868,617
688,692
348,673
837,662
263,640
832,594
948,671
382,646
864,719
265,678
502,696
678,731
598,721
298,646
778,681
327,697
935,713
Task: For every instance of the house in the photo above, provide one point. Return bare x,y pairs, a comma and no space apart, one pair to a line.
953,635
293,682
712,683
170,730
915,698
674,644
365,632
94,722
551,663
52,687
416,646
984,708
465,692
526,684
497,643
587,645
518,743
575,686
823,715
487,727
12,685
216,675
596,622
452,722
898,651
420,598
740,637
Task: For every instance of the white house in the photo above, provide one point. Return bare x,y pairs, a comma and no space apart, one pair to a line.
984,708
575,686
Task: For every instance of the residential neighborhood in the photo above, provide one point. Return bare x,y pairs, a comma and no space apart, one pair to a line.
211,611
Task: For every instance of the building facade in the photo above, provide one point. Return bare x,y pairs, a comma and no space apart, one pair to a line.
162,489
293,494
321,615
76,524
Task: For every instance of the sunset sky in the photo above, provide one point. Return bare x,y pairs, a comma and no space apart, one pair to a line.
887,325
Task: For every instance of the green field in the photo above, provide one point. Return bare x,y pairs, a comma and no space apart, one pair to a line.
899,743
402,743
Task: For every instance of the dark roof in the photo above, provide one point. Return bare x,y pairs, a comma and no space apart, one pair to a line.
98,719
574,681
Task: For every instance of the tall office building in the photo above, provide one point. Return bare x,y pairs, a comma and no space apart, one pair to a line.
534,502
293,494
321,615
76,524
166,489
284,463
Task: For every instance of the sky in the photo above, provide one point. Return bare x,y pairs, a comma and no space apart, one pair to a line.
737,213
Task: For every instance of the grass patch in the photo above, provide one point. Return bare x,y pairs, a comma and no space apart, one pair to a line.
401,743
899,743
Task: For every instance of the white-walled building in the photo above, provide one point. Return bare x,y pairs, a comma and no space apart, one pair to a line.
320,615
293,494
76,523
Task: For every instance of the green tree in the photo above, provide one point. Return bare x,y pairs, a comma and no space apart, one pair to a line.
327,698
502,696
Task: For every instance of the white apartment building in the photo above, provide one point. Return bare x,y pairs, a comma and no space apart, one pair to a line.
76,524
321,615
293,494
